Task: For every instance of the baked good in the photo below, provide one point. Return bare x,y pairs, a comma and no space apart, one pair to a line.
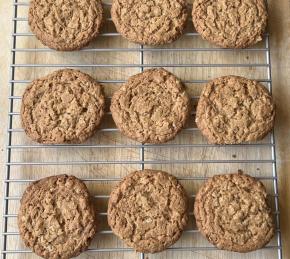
148,210
152,22
65,25
151,107
56,218
230,23
231,211
233,109
63,107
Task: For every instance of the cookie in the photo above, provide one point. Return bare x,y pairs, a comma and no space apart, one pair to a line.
63,107
65,25
148,210
154,22
56,218
151,107
230,23
231,211
233,109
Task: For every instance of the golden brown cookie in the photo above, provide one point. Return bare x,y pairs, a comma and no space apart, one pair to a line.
63,107
148,210
233,109
56,218
152,22
65,25
151,107
230,23
231,211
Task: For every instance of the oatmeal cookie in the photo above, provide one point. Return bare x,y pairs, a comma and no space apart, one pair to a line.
56,218
230,23
148,210
63,107
232,213
233,109
151,22
151,107
65,25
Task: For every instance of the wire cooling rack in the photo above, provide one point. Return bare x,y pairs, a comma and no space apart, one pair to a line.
108,156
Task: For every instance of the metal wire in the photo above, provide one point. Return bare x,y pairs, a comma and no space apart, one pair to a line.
12,130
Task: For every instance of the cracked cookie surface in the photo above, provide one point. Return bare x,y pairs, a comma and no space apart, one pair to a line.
151,107
233,109
65,25
63,107
148,210
231,211
230,23
153,22
56,218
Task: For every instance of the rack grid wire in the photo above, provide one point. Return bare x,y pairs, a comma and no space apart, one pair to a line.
18,146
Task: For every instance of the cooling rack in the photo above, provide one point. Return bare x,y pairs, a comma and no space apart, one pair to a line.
108,156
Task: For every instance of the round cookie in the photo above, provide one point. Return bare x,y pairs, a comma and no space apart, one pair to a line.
56,218
231,211
148,210
63,107
151,107
154,22
233,109
230,23
65,25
